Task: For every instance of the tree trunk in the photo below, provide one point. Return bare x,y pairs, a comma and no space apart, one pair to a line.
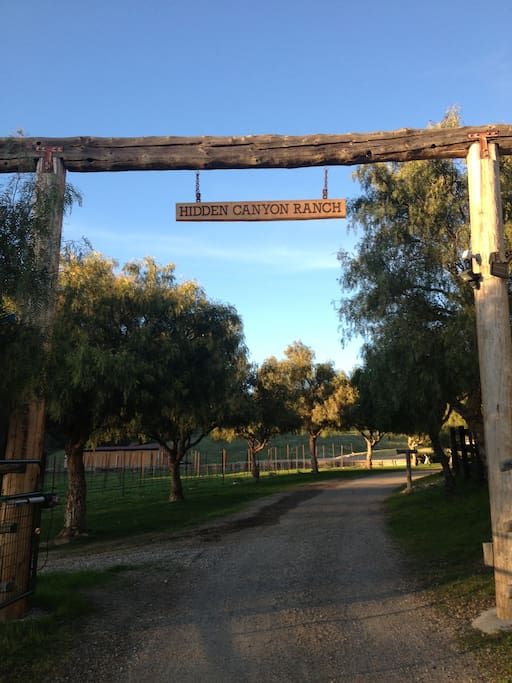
472,413
176,485
255,468
369,453
449,480
312,449
76,499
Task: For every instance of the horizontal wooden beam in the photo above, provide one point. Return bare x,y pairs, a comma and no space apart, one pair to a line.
91,154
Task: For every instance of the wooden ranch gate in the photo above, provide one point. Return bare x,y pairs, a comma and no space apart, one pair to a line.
480,146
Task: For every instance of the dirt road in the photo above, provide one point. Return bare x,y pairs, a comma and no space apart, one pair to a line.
309,588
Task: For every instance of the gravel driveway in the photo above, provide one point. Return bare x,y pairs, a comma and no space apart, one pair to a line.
303,587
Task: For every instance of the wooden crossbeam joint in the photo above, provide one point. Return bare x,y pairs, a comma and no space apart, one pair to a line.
484,140
48,153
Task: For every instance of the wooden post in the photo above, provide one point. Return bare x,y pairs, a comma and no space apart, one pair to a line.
25,437
495,356
409,473
454,450
464,452
408,452
223,455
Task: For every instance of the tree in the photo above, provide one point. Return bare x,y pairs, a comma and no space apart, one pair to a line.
316,392
89,372
190,374
406,375
364,412
24,283
404,280
263,411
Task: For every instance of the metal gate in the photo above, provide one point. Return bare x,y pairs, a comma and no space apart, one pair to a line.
20,517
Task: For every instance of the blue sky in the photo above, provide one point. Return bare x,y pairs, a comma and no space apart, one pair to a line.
112,68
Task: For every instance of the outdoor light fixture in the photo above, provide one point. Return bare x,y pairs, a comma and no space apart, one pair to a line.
500,268
467,273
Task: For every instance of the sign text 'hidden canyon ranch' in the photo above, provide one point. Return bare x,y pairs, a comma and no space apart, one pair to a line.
290,210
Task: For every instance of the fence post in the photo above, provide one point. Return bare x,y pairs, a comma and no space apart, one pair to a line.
454,450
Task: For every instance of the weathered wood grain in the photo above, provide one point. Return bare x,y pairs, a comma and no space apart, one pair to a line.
495,354
91,154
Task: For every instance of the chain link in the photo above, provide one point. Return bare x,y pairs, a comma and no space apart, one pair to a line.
198,189
325,191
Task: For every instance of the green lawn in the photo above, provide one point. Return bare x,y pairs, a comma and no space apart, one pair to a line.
116,513
442,536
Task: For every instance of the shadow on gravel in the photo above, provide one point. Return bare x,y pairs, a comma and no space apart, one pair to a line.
267,516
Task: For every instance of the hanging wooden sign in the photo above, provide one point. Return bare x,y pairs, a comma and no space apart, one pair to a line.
280,210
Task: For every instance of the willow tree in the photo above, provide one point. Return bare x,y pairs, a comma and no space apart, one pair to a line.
23,290
190,373
406,270
89,372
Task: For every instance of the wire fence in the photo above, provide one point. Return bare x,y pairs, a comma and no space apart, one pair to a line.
19,526
123,471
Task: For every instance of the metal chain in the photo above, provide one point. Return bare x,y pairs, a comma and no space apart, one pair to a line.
325,191
198,188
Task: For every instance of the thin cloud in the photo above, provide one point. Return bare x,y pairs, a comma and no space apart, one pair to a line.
274,256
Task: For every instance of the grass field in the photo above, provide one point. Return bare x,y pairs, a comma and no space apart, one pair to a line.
138,509
123,502
442,536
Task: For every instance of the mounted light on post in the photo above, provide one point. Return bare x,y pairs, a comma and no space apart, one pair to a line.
500,268
467,273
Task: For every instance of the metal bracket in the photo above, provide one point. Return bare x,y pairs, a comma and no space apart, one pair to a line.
484,139
47,500
48,155
468,274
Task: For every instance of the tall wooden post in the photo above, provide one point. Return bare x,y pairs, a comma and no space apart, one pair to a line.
495,356
25,439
